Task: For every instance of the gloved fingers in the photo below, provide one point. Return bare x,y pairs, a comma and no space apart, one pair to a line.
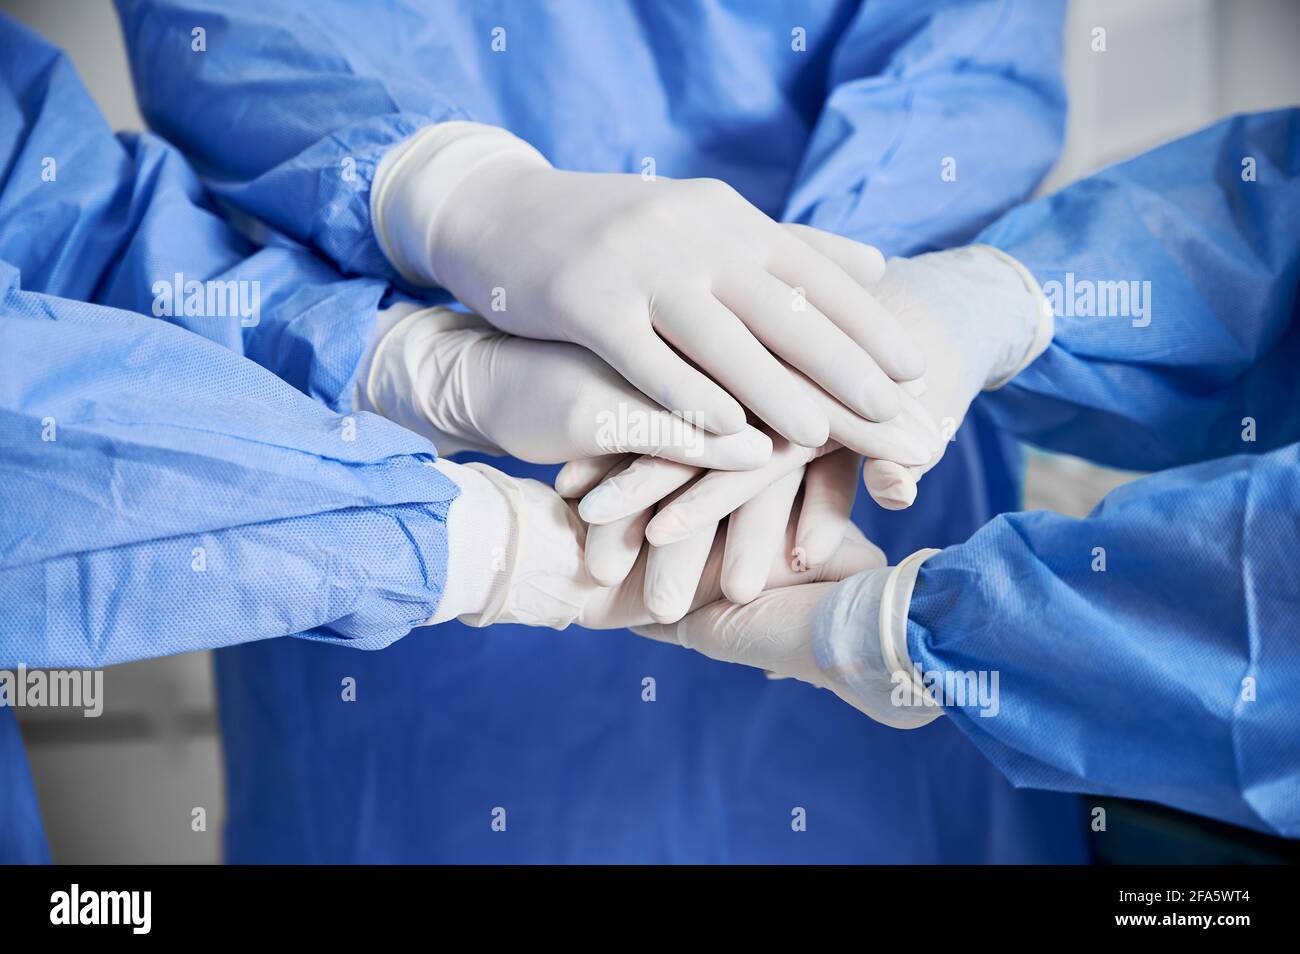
601,413
910,437
830,486
864,263
677,569
757,530
720,343
578,477
854,309
673,575
718,493
744,450
890,485
638,427
856,554
653,367
643,484
782,319
612,548
773,633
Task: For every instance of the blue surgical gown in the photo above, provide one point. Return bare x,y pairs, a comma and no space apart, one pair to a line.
159,491
905,123
1152,649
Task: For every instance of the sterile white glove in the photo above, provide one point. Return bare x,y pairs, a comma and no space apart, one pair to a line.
910,440
849,637
467,386
516,556
690,503
762,508
633,268
622,506
981,319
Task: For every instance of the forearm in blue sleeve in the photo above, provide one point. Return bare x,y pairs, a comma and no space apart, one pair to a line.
1148,651
161,493
1175,279
123,221
282,119
939,117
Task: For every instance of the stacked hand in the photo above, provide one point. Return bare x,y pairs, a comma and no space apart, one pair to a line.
715,381
466,385
786,507
981,320
968,308
539,576
692,295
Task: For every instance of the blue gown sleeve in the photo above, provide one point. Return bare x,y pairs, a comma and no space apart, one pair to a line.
314,117
1148,651
124,221
160,493
1175,278
939,116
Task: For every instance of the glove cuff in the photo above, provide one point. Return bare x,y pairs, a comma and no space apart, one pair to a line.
544,580
482,544
415,179
992,312
895,601
504,559
1045,324
860,641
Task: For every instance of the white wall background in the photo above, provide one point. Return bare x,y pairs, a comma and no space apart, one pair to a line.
120,788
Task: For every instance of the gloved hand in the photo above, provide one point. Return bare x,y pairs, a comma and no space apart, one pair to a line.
634,268
981,319
467,386
911,439
516,556
762,509
849,637
621,509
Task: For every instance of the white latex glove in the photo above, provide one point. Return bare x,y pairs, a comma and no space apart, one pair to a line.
634,268
621,502
758,526
690,503
671,571
910,439
981,319
516,555
850,638
467,386
623,495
